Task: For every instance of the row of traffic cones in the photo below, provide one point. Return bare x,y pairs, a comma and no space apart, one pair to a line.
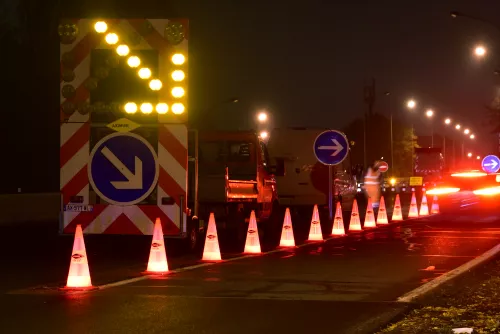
79,273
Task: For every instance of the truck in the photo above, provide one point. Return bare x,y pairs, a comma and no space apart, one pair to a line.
303,181
127,153
429,165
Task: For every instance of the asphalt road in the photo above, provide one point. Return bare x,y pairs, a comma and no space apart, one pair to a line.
345,285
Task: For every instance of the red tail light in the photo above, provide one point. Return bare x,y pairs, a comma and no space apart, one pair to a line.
442,191
487,191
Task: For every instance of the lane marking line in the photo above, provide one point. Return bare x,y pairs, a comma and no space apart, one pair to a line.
427,287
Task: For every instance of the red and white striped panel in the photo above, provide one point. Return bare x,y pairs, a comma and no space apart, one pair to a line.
75,135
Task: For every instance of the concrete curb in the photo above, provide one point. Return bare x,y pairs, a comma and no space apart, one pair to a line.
423,289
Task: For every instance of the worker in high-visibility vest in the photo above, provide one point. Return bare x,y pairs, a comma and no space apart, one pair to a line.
372,183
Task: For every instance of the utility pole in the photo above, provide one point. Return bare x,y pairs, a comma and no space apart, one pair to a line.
369,98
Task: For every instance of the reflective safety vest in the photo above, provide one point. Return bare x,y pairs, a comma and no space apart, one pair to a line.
372,177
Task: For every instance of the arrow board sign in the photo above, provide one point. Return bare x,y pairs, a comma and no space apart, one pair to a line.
123,168
491,164
331,147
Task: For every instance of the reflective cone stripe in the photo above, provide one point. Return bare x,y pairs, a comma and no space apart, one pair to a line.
435,205
287,238
424,208
79,274
370,215
211,251
413,213
382,213
252,244
355,223
338,222
157,256
315,232
397,214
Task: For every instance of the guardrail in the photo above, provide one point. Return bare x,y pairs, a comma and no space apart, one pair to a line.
22,208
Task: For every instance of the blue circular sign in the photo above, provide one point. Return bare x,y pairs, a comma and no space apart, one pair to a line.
490,164
331,147
123,168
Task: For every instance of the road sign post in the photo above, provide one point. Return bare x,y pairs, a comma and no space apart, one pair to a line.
490,164
123,168
331,147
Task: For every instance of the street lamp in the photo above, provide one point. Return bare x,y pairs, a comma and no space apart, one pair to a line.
262,117
478,157
472,136
457,126
466,131
429,113
469,154
263,134
480,51
447,121
411,104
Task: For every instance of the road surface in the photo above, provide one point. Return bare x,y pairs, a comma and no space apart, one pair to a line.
345,285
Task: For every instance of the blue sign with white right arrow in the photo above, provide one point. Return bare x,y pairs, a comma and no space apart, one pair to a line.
331,147
123,168
491,164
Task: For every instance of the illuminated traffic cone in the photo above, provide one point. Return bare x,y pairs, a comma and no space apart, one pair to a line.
338,222
382,213
157,256
397,214
370,216
355,224
79,274
287,239
435,205
315,230
211,251
413,207
424,208
252,245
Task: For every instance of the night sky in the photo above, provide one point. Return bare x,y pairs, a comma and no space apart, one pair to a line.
306,62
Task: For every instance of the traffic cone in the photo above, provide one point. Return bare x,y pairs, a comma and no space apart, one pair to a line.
287,239
355,224
211,251
382,213
397,214
435,205
338,222
424,208
413,207
315,230
252,244
79,274
370,216
157,256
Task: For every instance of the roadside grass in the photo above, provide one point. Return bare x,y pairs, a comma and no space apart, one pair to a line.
472,301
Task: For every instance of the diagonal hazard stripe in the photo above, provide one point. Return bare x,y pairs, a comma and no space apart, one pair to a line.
169,186
153,212
77,183
153,37
74,144
173,146
84,218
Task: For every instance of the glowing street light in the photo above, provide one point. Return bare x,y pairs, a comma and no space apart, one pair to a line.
466,131
429,113
480,51
263,134
457,126
472,136
411,104
469,154
262,117
478,157
447,121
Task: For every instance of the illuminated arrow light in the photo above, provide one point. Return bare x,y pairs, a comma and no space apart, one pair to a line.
100,27
155,84
130,108
144,73
178,59
111,38
178,108
178,92
178,75
146,108
161,108
133,61
122,50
